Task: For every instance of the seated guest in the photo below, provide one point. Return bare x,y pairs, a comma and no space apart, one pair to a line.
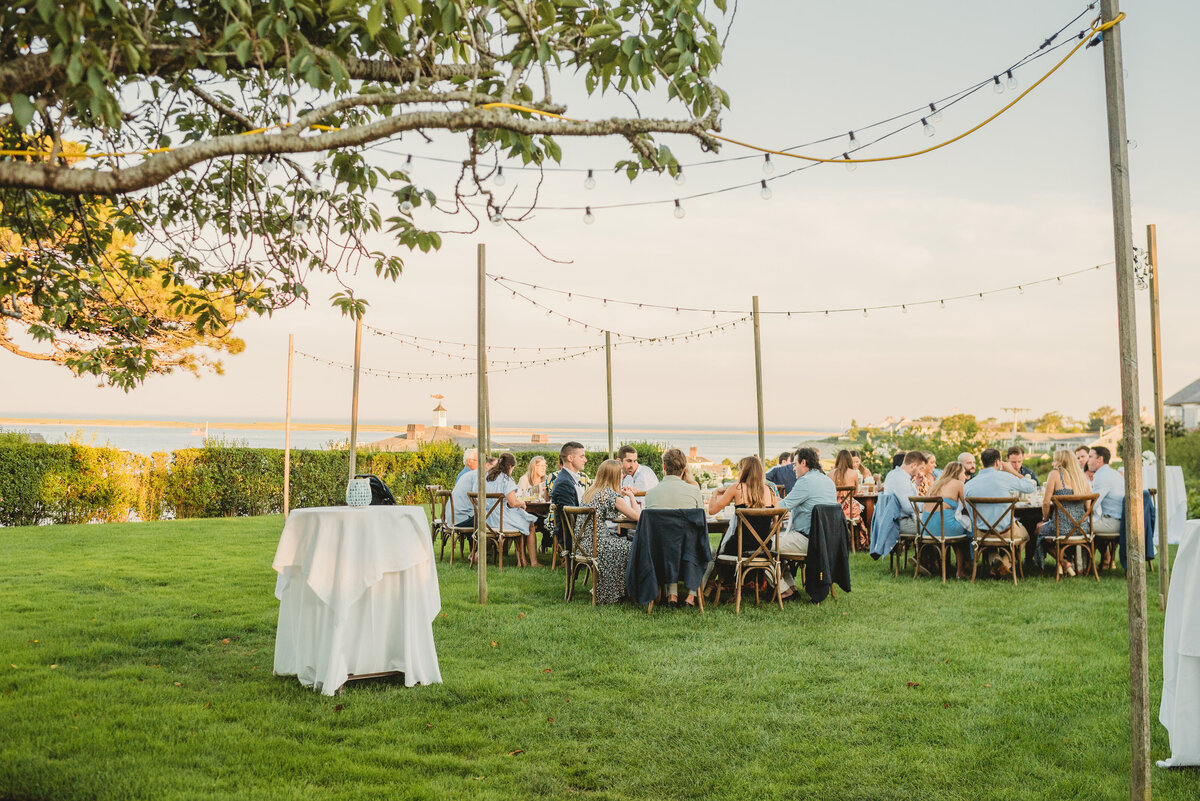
606,496
464,510
856,460
534,480
846,475
635,475
1110,506
1065,479
1081,456
950,488
999,479
782,474
901,482
515,518
752,491
673,492
567,488
1016,458
812,487
898,459
924,478
470,463
931,457
967,460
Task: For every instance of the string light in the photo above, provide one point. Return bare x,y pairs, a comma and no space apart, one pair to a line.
680,179
926,128
679,212
997,87
768,167
499,180
497,218
590,181
1010,81
766,190
935,113
508,284
850,165
588,217
854,143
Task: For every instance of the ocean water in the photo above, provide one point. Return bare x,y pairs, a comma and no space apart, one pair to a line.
712,443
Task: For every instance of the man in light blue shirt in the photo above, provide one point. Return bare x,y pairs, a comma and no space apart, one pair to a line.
470,462
812,487
468,481
1110,486
635,475
998,479
899,482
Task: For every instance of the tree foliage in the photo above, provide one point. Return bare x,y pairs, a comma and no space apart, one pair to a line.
231,138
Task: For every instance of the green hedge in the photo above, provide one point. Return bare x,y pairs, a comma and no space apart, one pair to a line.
77,483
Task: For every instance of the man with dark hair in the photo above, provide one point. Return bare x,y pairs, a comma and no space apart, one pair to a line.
812,487
1110,506
1016,458
901,483
782,473
998,479
898,459
567,489
635,475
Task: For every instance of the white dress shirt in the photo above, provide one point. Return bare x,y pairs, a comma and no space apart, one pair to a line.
642,479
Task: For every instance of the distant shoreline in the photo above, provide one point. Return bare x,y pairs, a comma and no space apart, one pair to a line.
277,425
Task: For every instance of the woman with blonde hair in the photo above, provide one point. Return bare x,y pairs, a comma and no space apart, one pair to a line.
751,491
1066,478
606,496
534,480
950,489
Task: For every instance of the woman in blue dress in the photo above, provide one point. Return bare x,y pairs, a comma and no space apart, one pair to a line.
950,488
516,519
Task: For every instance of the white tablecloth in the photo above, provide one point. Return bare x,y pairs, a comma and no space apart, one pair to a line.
1175,504
1180,709
358,593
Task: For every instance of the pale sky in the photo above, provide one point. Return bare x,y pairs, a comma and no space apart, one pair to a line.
1025,198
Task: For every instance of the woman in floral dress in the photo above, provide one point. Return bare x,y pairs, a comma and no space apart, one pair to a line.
609,500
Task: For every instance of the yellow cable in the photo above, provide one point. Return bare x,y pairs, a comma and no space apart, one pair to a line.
492,106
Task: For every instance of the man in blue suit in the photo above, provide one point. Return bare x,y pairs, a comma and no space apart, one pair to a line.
567,489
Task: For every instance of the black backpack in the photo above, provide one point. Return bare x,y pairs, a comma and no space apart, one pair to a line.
380,494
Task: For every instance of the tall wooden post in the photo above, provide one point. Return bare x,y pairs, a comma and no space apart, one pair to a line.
1131,441
287,432
608,374
1160,436
484,447
762,431
354,397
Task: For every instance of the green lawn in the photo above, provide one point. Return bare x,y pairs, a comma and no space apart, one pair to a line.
136,663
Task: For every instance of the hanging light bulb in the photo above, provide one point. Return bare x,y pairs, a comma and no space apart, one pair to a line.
903,309
864,312
590,181
981,297
497,218
850,165
768,167
942,303
854,141
1059,280
406,206
588,217
499,180
679,210
927,128
765,191
1010,81
997,87
680,179
935,113
1020,290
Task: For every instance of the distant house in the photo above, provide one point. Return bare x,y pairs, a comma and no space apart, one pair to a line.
1184,406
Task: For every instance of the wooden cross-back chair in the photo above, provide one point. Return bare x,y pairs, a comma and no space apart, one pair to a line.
575,520
458,536
929,536
855,523
1073,528
763,554
496,535
995,535
436,516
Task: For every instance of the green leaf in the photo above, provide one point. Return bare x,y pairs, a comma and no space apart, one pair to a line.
74,69
22,110
375,18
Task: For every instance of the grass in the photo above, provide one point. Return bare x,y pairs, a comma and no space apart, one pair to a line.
136,663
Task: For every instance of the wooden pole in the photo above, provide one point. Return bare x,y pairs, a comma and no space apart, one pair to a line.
1160,436
1131,441
608,373
483,446
758,383
354,398
287,432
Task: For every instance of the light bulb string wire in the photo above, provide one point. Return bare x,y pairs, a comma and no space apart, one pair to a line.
401,336
1095,28
406,341
509,283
